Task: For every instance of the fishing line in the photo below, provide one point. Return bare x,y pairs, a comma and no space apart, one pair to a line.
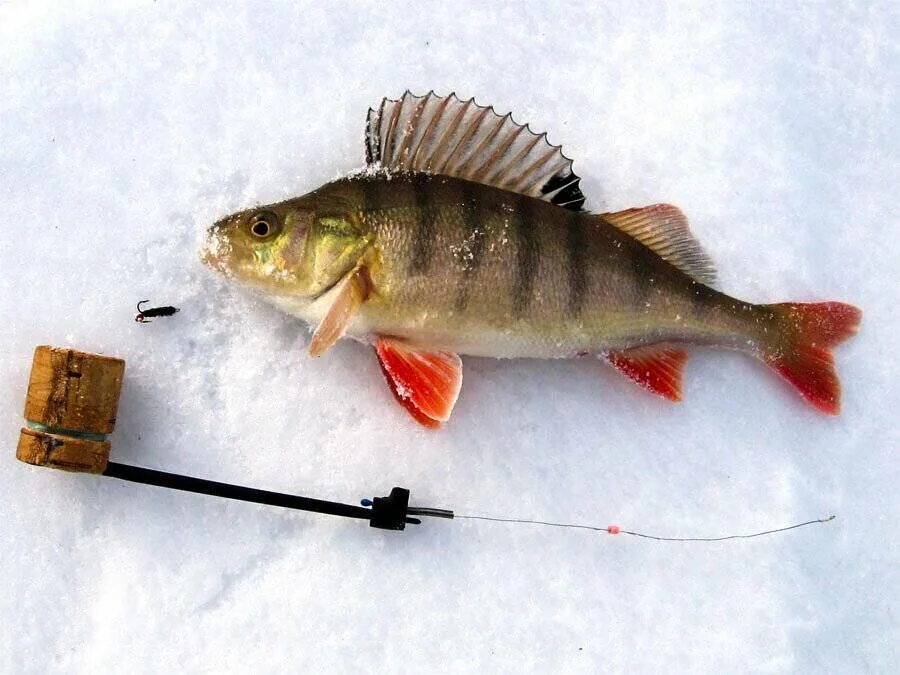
392,512
615,529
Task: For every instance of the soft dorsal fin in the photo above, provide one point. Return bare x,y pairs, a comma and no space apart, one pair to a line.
664,229
448,136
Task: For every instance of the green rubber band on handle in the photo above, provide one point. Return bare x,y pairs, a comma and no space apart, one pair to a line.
85,435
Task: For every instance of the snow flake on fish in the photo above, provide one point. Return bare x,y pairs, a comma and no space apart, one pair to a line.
466,251
368,171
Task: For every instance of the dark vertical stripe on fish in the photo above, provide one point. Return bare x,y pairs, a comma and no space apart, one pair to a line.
527,259
472,249
642,266
369,195
423,242
703,300
576,244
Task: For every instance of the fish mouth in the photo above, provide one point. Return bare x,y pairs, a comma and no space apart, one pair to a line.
215,250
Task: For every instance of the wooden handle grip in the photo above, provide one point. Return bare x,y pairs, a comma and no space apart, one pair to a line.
74,390
70,406
62,452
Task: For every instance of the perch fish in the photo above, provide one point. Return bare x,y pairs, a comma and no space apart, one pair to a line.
465,234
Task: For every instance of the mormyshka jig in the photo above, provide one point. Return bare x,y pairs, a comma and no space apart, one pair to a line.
144,315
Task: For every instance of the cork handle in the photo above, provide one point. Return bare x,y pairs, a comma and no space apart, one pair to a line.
62,452
74,390
70,406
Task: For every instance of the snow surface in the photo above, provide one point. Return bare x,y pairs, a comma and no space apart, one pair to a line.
125,131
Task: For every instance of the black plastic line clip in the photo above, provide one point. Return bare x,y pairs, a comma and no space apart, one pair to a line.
390,513
393,512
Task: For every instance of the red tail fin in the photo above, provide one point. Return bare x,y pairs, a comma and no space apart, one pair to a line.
802,356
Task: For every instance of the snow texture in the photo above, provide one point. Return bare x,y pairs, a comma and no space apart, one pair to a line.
126,130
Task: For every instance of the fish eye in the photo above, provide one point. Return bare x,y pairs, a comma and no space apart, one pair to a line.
263,224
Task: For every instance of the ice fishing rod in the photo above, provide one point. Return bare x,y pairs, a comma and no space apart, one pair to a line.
70,409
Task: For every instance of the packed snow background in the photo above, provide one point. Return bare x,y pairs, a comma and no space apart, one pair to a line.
125,132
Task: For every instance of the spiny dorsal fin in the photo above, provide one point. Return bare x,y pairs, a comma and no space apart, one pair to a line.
664,229
448,136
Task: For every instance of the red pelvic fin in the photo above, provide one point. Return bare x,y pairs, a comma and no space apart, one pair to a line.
656,368
411,408
805,361
425,383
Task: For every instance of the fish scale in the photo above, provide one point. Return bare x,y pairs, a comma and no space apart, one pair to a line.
508,275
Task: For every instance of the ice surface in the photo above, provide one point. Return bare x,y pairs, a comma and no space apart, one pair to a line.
124,132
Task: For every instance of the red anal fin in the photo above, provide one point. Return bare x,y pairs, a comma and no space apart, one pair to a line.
425,383
657,369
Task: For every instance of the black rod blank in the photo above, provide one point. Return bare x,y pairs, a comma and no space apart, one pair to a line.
137,474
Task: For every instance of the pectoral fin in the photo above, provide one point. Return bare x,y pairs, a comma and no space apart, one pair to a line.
425,383
350,293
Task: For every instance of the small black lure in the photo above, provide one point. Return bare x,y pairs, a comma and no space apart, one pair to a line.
144,314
